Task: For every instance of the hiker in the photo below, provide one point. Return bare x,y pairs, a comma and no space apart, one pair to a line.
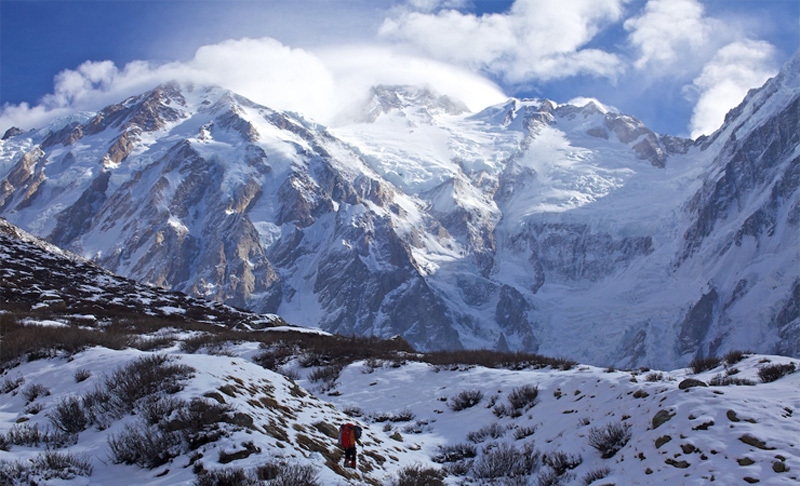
348,436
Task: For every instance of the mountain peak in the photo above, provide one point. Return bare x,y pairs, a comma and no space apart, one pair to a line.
410,101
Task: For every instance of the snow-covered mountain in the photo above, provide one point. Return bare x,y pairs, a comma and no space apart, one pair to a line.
564,229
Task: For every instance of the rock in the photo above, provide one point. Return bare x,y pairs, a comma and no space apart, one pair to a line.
12,132
691,383
661,417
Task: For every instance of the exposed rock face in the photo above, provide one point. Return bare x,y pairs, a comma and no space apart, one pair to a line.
571,252
750,163
28,173
695,327
12,132
787,320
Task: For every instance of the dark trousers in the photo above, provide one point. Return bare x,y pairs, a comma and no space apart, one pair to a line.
350,456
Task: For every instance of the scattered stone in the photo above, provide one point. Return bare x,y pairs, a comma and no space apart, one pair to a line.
662,440
745,461
691,383
755,442
661,417
732,416
704,425
779,467
678,464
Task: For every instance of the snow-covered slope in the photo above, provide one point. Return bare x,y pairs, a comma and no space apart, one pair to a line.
255,421
531,225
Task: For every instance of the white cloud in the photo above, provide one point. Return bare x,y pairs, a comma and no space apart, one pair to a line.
317,85
357,68
535,40
667,31
725,80
431,5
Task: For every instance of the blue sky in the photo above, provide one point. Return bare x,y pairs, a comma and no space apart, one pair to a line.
678,65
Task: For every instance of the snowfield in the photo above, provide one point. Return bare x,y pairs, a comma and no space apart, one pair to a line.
409,412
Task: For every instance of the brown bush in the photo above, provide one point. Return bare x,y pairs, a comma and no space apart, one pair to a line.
773,372
34,342
417,475
609,439
698,365
145,376
496,359
147,447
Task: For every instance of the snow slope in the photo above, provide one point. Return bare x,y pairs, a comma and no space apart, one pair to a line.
701,441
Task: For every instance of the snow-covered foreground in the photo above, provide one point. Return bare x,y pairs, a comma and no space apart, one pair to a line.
723,434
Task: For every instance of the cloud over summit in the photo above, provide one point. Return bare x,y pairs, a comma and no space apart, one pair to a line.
636,49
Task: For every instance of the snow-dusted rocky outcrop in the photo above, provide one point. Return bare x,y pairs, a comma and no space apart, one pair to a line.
565,229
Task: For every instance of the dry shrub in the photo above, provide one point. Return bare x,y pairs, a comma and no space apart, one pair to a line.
145,446
698,365
720,380
45,467
455,453
465,399
69,416
595,475
733,357
35,342
496,359
506,460
33,391
199,422
9,385
225,477
404,415
552,478
99,407
82,374
326,374
610,438
144,376
561,462
155,409
27,435
773,372
520,399
418,475
493,430
288,474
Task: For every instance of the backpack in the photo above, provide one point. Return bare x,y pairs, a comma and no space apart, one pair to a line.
348,435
